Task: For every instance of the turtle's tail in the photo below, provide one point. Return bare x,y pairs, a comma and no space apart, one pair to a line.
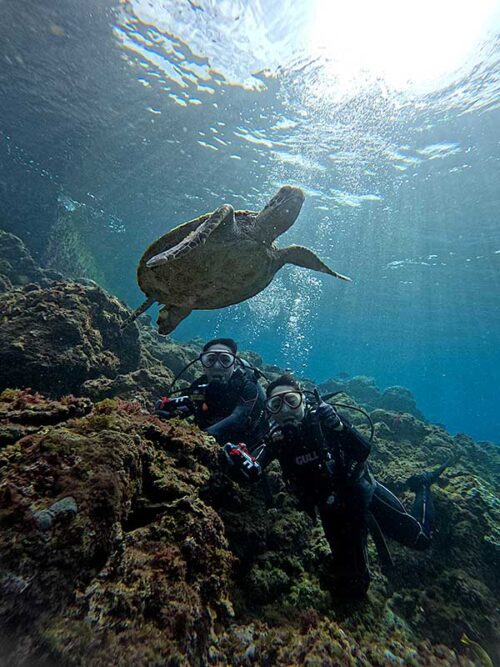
137,312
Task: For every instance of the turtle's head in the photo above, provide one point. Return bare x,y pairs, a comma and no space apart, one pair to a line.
279,213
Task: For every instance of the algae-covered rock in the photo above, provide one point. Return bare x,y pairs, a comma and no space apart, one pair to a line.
23,412
399,399
163,350
123,542
107,552
56,338
452,588
144,386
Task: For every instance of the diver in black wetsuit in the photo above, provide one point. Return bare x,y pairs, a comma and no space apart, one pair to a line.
323,460
227,401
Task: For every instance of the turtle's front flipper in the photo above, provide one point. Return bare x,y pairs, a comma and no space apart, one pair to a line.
300,256
169,317
224,214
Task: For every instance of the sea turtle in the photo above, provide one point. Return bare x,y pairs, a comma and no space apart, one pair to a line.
221,258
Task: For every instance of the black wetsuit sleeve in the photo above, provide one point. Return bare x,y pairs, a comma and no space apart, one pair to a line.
354,445
237,421
352,442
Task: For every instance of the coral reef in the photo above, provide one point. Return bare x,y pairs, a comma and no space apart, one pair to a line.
55,338
163,350
23,412
106,548
365,391
123,541
144,386
452,588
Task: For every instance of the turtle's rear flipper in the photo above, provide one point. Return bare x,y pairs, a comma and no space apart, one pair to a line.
170,317
224,214
137,312
300,256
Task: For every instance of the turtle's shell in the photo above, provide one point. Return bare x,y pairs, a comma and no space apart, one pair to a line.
225,270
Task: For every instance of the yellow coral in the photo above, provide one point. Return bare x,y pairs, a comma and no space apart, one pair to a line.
107,406
10,394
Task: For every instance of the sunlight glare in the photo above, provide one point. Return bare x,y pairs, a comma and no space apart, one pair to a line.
406,44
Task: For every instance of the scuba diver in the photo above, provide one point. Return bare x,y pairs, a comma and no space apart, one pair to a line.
323,461
227,401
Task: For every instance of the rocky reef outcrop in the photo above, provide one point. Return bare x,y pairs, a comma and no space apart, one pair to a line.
62,336
365,391
124,542
106,547
56,337
17,266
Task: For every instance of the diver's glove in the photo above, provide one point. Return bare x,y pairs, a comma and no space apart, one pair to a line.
180,406
329,417
241,461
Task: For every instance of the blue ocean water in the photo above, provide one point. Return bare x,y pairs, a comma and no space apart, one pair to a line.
143,114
